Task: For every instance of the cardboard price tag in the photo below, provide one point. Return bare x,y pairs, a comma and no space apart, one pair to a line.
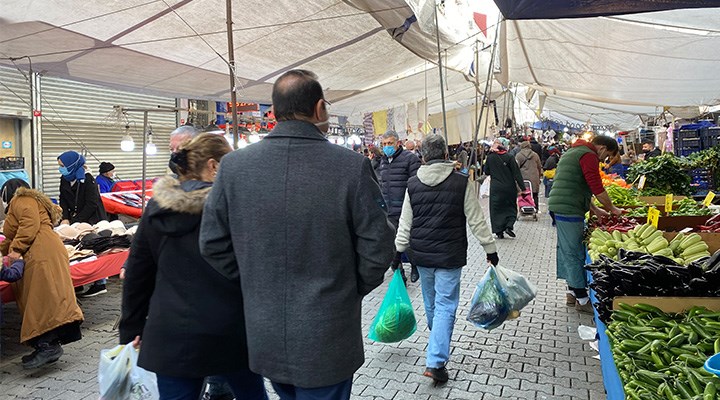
668,202
653,216
641,183
708,199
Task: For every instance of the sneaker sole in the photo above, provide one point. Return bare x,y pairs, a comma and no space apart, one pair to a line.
85,296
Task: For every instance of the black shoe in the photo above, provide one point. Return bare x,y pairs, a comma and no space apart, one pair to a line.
439,375
510,232
44,354
208,396
414,274
94,291
79,289
500,235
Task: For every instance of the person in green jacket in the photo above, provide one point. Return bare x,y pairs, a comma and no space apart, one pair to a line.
577,180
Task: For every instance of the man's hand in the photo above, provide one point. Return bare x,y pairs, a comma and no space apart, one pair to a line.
65,222
616,211
136,343
122,273
493,259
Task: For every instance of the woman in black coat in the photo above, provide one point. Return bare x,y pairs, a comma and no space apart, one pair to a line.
188,317
79,194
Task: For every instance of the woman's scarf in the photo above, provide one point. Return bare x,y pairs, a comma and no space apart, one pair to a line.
75,164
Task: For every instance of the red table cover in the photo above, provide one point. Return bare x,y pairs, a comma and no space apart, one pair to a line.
115,207
82,273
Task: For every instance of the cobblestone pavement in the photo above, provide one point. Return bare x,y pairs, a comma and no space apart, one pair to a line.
538,356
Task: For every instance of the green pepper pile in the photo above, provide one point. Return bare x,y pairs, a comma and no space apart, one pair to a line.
660,355
622,197
688,206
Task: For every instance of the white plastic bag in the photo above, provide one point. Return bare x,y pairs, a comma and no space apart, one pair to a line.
120,378
485,188
519,290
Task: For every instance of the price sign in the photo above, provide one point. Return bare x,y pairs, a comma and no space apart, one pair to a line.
708,199
653,216
641,183
668,202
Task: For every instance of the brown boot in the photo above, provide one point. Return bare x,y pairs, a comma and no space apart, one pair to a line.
570,300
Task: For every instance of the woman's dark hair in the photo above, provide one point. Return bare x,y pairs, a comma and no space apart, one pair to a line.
295,94
191,159
610,144
10,187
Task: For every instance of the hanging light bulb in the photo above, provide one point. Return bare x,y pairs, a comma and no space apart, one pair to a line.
127,143
150,148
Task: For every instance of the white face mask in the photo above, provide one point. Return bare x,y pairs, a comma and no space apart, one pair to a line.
324,126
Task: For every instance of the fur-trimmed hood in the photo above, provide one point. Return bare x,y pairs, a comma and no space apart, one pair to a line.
169,194
176,208
53,210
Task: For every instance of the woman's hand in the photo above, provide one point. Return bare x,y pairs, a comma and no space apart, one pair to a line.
136,343
65,222
13,256
122,273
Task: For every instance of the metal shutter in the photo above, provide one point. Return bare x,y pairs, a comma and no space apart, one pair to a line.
77,114
14,94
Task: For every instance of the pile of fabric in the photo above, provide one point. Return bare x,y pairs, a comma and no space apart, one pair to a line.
85,242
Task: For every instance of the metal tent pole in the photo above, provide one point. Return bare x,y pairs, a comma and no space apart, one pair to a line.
231,62
440,67
488,81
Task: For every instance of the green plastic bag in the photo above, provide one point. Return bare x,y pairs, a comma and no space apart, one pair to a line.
396,319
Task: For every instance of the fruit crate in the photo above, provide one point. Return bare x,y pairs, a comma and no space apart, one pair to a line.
11,163
711,137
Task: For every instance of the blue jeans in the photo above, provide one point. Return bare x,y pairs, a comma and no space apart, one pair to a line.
245,384
441,295
340,391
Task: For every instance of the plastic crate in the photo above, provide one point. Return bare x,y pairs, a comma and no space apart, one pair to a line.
711,137
10,163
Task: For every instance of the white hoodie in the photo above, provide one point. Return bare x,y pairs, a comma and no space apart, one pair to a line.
433,175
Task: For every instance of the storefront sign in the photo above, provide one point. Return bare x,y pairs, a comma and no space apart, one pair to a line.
244,107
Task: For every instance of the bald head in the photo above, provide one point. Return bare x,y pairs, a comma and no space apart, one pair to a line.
296,94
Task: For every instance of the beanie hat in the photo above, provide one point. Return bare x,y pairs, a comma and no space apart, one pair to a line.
106,167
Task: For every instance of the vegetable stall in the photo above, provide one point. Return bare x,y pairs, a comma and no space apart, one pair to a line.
654,274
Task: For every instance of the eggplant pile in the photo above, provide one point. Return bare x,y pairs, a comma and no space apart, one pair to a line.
640,274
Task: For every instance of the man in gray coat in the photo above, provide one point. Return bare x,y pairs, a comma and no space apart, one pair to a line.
303,224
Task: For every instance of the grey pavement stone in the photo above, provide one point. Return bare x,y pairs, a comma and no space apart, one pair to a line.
537,356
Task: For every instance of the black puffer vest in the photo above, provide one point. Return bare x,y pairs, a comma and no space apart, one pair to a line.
438,237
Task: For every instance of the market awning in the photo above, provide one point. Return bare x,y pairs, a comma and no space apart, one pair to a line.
554,9
178,47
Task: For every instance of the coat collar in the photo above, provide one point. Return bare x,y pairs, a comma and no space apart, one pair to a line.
296,129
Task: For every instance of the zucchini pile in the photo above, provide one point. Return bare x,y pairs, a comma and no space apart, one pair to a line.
660,355
683,249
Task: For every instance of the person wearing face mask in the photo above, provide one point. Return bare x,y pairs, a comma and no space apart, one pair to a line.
306,266
396,168
577,179
80,202
649,149
79,194
189,318
45,296
106,179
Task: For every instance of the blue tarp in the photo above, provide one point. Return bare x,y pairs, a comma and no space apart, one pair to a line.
546,125
554,9
611,379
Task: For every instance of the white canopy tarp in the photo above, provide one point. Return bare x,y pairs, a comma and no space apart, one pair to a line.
178,47
654,59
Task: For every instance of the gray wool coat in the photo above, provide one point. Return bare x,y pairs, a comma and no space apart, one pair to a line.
303,223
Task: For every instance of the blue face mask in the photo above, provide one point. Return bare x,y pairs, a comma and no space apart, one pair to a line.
64,171
389,150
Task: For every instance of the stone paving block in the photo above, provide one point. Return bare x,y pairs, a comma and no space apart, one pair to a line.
537,356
